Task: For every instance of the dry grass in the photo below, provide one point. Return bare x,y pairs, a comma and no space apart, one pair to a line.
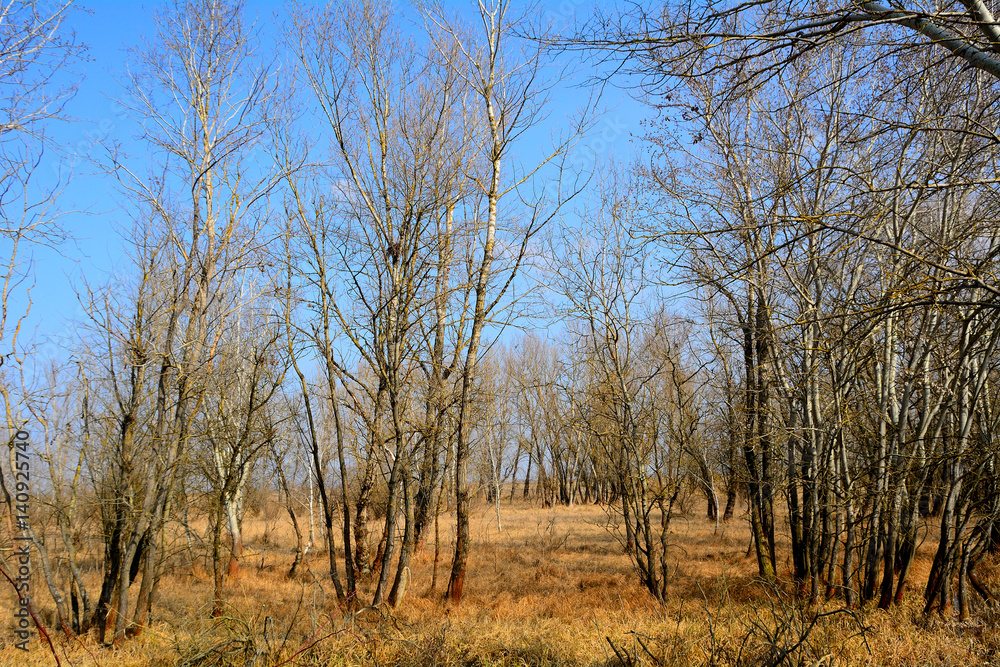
553,588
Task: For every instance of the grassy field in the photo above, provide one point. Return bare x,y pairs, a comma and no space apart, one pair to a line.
551,588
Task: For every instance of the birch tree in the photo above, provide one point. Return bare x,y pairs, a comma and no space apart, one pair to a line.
506,88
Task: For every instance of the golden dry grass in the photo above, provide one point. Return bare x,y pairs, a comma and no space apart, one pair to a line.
553,588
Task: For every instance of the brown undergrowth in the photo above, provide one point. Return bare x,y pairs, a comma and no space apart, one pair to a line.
552,588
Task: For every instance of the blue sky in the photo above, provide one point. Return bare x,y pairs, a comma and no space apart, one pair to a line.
94,219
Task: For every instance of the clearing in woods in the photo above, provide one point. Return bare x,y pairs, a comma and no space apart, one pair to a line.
553,588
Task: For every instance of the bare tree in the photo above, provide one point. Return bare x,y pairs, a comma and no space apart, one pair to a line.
203,100
36,50
503,77
636,398
247,377
379,252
